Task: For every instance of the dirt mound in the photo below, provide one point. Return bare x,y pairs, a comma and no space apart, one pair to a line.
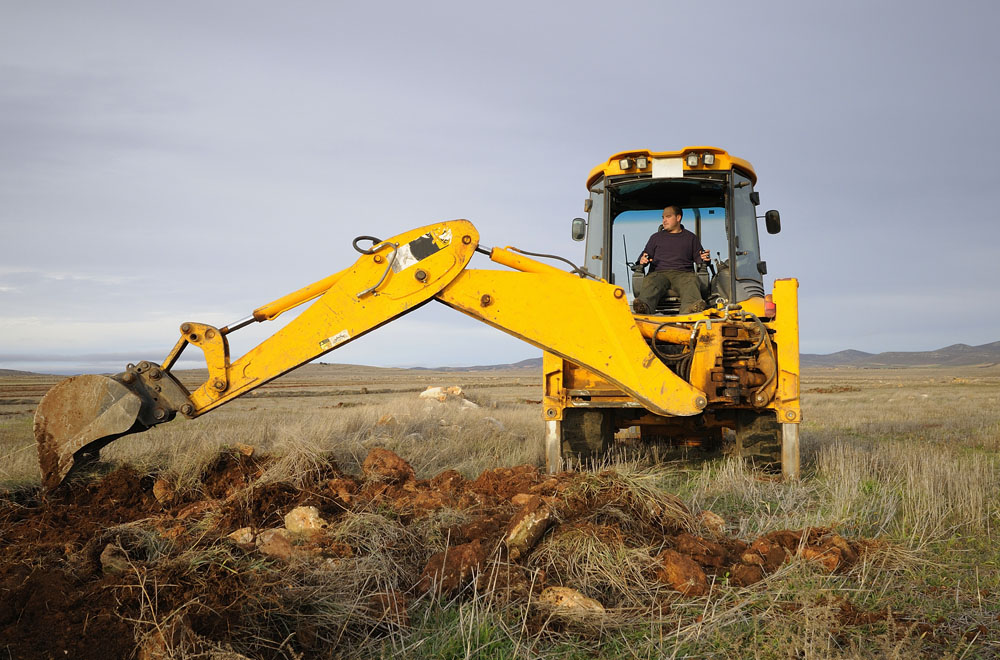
102,569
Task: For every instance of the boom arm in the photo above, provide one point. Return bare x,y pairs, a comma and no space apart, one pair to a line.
584,321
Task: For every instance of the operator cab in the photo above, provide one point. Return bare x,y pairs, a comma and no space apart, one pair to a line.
715,191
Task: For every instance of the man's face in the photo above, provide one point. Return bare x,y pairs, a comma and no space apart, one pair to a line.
671,221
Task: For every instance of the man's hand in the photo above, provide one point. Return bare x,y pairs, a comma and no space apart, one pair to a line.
705,255
644,258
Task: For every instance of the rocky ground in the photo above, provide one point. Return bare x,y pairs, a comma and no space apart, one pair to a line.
252,561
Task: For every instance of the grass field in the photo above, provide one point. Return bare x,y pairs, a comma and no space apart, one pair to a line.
909,458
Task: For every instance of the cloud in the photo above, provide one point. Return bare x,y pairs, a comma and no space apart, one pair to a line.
143,183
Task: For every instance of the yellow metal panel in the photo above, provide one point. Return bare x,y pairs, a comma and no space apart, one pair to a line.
345,311
586,322
707,355
786,340
553,391
723,161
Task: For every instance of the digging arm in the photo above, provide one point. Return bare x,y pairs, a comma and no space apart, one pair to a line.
585,321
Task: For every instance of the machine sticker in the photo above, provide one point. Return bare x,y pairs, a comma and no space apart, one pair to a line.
420,248
335,340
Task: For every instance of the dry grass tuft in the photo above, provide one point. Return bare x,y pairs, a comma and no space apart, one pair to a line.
597,561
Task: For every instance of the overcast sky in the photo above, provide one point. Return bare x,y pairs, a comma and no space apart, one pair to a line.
165,162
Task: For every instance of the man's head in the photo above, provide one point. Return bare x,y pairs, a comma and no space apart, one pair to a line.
672,218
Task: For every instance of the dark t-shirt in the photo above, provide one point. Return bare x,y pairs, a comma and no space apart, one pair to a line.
677,251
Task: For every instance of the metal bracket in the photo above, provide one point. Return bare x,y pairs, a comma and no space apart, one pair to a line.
215,346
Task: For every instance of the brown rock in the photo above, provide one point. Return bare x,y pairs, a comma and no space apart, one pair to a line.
425,502
446,571
773,554
384,465
389,607
527,527
787,539
734,547
246,450
713,522
274,543
566,598
386,420
703,551
682,573
163,491
447,481
520,499
742,575
828,557
848,555
113,560
343,488
487,529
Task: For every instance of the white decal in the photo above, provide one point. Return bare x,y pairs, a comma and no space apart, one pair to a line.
335,340
404,259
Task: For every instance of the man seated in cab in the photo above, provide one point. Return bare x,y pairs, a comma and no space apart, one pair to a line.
673,252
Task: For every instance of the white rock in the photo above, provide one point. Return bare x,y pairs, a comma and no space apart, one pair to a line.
527,527
304,519
243,536
570,599
434,393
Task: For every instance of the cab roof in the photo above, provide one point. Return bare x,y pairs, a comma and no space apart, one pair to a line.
723,161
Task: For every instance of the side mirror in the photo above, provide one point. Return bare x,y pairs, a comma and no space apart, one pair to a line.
579,229
755,198
772,219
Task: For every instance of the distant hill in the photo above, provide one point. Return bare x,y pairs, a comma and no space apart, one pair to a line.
530,363
956,355
16,372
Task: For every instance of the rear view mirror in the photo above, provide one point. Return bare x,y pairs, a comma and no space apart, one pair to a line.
579,229
772,219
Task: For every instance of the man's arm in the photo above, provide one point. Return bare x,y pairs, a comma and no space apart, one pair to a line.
699,255
647,252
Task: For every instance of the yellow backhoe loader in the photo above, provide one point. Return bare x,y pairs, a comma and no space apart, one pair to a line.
724,376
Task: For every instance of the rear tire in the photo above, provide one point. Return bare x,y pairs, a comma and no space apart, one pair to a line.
586,434
757,438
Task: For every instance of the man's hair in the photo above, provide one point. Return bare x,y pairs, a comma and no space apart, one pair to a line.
678,211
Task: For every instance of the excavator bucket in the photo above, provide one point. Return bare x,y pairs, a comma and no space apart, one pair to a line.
76,418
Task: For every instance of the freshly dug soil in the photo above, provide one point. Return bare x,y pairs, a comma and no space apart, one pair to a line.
123,566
